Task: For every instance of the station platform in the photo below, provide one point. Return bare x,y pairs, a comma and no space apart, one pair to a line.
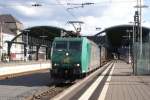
21,67
116,82
125,86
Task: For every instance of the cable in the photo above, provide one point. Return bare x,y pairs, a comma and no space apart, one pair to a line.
111,1
67,10
29,4
68,4
102,4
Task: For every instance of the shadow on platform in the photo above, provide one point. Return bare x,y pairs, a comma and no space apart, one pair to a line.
38,79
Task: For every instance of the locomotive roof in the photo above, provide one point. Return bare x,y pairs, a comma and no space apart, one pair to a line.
73,39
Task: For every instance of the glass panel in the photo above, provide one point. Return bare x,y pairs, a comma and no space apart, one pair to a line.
142,60
75,45
61,45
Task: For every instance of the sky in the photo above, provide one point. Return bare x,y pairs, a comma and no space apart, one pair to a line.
102,14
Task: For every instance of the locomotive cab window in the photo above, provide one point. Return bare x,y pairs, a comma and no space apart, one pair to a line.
61,45
75,45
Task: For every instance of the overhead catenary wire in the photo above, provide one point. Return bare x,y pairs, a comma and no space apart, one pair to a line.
67,10
67,3
99,4
75,18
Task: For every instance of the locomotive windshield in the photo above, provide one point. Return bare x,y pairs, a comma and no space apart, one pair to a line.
75,45
72,45
61,45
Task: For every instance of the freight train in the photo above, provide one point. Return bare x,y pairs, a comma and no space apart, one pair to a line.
74,57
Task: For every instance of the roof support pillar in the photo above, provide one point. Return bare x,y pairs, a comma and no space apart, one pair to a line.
8,49
37,52
25,51
48,52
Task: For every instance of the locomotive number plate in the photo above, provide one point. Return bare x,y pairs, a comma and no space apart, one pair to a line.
67,60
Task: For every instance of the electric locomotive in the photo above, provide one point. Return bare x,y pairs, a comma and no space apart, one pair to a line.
73,57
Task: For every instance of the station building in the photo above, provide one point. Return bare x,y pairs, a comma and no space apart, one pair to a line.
9,28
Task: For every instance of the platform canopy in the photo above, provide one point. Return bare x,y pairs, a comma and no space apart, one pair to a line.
117,36
46,32
35,41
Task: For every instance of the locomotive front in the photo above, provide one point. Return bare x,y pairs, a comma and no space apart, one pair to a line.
66,57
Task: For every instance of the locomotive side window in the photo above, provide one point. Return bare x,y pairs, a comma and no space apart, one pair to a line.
75,45
61,45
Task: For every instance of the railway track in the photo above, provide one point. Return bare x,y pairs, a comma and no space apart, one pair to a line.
51,92
76,90
54,90
44,93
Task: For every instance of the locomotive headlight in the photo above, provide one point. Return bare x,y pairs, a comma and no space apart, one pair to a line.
78,65
56,64
67,54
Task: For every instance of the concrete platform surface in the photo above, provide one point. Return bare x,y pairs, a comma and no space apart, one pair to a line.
124,86
116,82
14,68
